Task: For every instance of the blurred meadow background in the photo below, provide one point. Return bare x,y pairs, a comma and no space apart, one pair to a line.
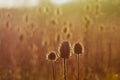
27,34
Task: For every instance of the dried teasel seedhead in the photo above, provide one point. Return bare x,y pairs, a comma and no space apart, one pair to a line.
65,29
64,50
58,38
78,48
51,56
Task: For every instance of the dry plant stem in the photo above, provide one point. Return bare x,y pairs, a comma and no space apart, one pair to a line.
64,67
78,65
53,71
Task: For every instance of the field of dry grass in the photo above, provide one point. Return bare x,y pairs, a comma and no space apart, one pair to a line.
27,35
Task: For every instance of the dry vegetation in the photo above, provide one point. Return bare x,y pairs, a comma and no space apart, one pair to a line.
27,35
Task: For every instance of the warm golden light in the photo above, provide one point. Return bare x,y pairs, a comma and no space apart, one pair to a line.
18,3
59,2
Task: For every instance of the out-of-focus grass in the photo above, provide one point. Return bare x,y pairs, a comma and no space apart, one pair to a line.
26,35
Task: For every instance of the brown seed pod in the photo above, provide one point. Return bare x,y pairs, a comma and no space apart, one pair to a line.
58,38
21,37
101,28
78,49
65,29
69,35
53,22
51,56
64,50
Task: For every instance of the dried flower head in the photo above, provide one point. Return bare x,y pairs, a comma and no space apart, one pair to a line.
78,49
64,50
65,29
51,56
69,35
58,37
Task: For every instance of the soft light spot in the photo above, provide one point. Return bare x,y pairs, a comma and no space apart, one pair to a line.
18,3
59,2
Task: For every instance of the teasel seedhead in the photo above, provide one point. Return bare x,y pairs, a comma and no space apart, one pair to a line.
78,48
64,50
51,56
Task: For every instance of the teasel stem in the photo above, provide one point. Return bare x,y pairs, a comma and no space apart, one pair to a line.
78,65
52,58
78,49
64,67
53,71
64,51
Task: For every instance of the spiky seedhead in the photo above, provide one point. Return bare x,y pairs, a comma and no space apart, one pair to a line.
64,50
51,56
78,49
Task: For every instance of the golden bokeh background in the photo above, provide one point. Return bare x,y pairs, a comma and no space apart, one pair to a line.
28,34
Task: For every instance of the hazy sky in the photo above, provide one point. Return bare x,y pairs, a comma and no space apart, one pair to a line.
29,3
34,3
18,3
